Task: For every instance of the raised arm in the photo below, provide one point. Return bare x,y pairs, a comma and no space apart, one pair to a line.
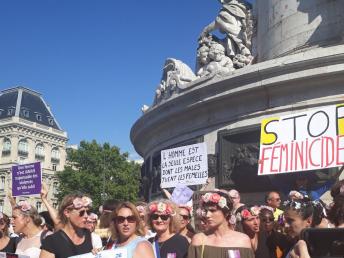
52,211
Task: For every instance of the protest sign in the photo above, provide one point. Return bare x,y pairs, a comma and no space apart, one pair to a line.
11,255
186,165
116,253
304,141
26,179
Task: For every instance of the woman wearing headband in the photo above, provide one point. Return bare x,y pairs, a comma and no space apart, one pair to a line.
164,220
73,238
219,240
186,228
27,222
7,244
298,215
128,233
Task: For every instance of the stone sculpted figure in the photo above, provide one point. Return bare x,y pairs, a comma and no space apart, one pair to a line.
175,74
232,21
219,62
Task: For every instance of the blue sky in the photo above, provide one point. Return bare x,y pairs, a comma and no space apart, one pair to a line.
96,62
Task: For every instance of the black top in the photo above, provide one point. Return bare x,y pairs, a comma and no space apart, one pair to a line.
277,239
62,246
11,246
177,246
263,250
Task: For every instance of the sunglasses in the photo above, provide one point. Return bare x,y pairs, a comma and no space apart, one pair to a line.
162,217
121,219
82,213
185,217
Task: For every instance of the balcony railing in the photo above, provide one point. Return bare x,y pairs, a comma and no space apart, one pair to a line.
55,160
23,153
6,153
39,156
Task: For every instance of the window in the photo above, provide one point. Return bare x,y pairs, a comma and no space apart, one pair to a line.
6,150
1,205
51,121
39,152
23,147
38,117
2,182
55,155
10,112
54,167
25,113
39,206
55,186
1,111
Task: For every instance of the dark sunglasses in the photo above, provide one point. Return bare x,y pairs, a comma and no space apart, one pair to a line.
185,217
121,219
82,213
162,217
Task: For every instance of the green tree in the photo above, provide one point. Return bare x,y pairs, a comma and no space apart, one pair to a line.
100,171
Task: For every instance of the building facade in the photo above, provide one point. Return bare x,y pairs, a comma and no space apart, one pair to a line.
29,133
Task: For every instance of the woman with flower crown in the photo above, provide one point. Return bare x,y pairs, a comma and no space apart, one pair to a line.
298,215
248,222
220,240
163,219
73,238
26,222
186,228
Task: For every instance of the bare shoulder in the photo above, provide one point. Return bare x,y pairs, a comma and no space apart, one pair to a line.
144,249
198,239
241,239
144,245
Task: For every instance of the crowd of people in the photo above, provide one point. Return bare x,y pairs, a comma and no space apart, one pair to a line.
221,226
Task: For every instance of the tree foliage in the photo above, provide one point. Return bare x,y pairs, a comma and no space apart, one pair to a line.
100,171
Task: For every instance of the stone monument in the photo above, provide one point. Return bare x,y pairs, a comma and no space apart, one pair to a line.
274,58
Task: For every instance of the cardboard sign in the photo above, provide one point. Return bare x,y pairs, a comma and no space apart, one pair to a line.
113,253
26,179
10,255
186,165
303,141
181,194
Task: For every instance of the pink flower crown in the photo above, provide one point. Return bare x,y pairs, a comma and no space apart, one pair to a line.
214,198
267,208
246,213
163,208
187,207
24,206
81,202
141,208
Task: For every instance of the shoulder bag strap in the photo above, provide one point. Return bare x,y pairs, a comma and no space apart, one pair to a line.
157,250
202,251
